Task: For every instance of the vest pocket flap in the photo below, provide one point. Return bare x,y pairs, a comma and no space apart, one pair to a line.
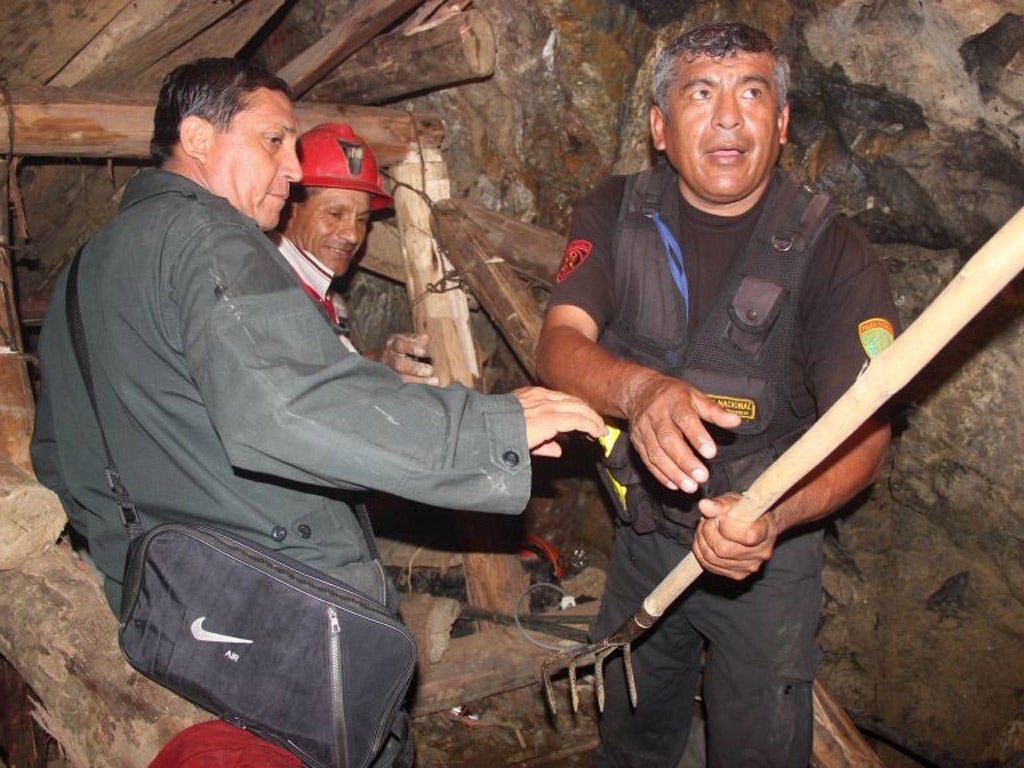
756,304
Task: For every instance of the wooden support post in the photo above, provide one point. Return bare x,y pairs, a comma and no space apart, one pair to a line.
494,577
438,307
17,405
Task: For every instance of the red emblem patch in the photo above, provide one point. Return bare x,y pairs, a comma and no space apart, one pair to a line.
576,253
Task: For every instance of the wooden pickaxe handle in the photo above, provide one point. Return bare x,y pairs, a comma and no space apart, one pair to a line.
977,283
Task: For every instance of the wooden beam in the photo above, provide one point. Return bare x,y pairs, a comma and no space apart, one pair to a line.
392,133
458,49
837,742
502,293
144,32
31,517
477,666
38,36
225,38
17,404
358,27
59,122
533,251
60,634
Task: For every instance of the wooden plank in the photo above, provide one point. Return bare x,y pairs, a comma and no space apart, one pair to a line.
458,49
503,295
477,666
358,27
38,38
225,38
837,742
144,32
17,404
534,251
59,122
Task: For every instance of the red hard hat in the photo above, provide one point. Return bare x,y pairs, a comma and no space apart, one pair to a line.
332,155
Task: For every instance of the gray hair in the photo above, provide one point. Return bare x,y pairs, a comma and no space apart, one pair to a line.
716,41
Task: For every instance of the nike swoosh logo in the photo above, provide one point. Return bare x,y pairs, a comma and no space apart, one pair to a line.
213,637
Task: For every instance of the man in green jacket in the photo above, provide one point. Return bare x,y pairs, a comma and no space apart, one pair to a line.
225,396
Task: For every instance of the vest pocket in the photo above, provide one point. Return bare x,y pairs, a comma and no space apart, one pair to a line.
756,305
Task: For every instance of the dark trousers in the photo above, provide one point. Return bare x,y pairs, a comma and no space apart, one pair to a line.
759,668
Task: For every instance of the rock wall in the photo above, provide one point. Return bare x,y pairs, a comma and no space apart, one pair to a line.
909,113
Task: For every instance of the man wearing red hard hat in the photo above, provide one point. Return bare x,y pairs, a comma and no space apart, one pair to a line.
325,226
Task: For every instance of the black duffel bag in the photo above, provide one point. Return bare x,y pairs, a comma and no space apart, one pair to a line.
266,643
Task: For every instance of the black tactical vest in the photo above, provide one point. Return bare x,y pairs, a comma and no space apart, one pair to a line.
739,354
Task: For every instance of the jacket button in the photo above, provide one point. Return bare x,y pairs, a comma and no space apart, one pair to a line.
751,315
305,531
510,458
278,533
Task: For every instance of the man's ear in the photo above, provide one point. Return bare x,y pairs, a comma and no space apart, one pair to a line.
657,128
195,137
784,124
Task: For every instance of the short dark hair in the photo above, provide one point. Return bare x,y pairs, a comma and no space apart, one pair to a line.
213,89
716,41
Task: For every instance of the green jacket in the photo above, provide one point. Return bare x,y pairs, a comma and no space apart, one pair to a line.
227,398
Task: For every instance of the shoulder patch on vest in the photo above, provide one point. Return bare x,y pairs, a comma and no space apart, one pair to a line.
875,335
576,253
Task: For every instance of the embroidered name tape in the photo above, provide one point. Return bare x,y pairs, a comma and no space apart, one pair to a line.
743,407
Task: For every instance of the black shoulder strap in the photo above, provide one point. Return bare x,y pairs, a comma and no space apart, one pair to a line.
644,191
129,514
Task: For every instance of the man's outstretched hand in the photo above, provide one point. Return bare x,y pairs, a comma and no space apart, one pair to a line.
550,413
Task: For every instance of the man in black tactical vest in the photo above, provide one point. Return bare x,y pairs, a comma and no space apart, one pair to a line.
716,307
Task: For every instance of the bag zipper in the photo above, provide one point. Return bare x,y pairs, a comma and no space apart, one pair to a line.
340,741
250,554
